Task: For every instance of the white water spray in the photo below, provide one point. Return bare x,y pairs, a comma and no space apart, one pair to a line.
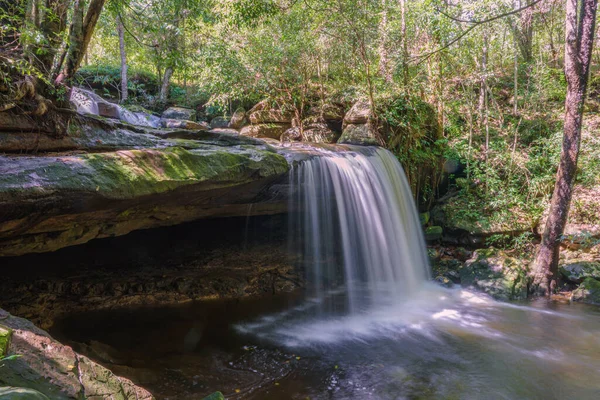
358,228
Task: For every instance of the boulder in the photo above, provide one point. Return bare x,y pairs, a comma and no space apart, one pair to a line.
360,134
109,110
359,113
238,119
270,116
15,393
50,202
183,124
262,105
180,113
587,292
327,112
319,132
219,122
496,273
577,272
273,131
291,135
433,233
49,369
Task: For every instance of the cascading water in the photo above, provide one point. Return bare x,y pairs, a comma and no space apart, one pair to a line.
357,228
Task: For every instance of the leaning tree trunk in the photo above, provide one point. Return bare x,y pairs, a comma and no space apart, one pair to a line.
80,34
580,28
121,32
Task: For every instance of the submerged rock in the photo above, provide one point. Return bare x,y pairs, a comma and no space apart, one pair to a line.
49,369
496,273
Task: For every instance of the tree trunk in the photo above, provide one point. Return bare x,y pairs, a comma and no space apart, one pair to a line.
50,18
580,28
164,87
121,32
80,34
404,44
384,60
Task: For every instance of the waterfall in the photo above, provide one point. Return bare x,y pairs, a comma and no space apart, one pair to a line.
357,228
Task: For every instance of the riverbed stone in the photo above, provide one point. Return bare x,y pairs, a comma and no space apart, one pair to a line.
587,292
496,273
578,271
187,114
56,371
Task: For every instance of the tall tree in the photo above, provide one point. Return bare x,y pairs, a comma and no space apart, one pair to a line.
122,51
80,33
580,27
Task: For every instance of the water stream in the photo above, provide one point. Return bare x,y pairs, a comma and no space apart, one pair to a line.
370,326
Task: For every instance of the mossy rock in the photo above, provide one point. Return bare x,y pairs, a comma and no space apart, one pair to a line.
215,396
577,272
588,292
433,233
5,336
17,393
497,274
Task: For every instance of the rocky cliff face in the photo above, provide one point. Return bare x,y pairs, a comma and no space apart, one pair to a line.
123,178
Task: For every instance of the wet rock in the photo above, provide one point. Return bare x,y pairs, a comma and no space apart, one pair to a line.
359,134
219,122
56,371
577,272
272,131
496,273
15,393
433,233
238,119
183,124
179,113
587,292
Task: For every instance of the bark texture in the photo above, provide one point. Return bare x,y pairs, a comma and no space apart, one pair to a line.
580,27
121,32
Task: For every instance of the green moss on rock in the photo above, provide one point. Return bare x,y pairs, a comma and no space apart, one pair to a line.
129,174
5,335
497,274
588,291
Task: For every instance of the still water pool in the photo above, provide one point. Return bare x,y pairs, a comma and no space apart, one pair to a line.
442,344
